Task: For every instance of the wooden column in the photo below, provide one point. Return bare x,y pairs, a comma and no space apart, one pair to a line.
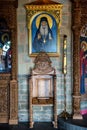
55,104
14,83
30,104
13,119
76,17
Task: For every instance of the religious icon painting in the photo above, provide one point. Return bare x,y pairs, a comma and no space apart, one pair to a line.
43,26
83,58
5,47
44,34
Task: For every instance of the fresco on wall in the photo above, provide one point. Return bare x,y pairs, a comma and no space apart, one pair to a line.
83,69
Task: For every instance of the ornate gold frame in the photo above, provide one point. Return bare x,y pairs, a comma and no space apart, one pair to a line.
34,10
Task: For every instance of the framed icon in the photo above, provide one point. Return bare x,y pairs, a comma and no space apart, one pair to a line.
43,27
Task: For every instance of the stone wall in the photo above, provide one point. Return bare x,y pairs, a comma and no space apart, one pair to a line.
25,63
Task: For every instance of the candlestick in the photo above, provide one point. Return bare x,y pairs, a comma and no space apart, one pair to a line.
65,114
65,54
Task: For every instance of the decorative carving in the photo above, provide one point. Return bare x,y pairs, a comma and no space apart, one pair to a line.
76,106
9,102
42,64
42,101
55,13
13,102
79,19
4,97
76,58
83,13
44,72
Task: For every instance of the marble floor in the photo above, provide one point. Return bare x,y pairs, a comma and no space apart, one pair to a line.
63,124
25,126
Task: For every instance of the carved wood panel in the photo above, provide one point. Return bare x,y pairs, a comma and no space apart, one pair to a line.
4,98
8,80
79,17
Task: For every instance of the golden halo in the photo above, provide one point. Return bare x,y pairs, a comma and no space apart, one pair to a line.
48,18
84,45
3,37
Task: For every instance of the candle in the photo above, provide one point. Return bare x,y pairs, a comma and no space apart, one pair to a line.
65,55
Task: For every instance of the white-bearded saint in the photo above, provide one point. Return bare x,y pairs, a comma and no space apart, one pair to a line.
43,38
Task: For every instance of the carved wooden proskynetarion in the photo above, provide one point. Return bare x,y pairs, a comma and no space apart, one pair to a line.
42,86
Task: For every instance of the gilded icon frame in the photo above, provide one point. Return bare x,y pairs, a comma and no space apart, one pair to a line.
53,15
